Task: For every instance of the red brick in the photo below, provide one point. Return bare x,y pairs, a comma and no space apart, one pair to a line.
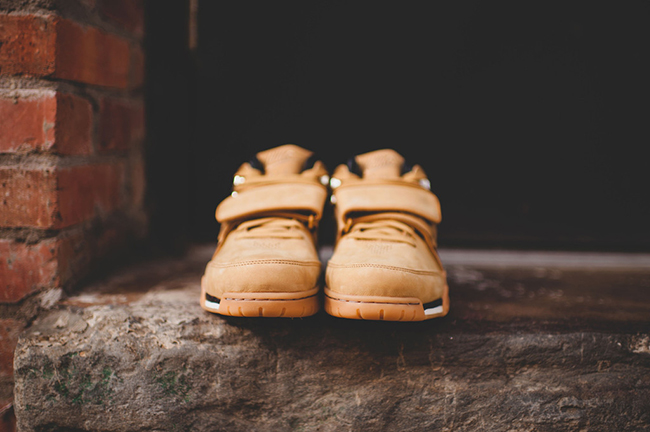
92,56
28,198
53,262
121,124
58,197
9,331
74,255
87,190
74,123
137,181
78,250
137,67
27,121
51,46
26,268
27,45
129,14
36,120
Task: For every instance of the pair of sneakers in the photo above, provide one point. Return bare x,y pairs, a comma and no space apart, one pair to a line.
384,266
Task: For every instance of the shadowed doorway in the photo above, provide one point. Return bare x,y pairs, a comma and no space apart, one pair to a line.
528,117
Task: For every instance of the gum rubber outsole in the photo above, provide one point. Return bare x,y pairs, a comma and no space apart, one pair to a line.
260,304
382,308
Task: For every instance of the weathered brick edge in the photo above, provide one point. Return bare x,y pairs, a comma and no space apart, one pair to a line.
72,174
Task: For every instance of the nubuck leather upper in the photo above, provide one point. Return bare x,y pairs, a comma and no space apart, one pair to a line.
384,267
266,262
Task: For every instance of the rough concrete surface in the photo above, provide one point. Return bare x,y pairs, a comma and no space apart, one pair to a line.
523,349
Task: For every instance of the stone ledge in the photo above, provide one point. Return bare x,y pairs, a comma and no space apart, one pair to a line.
523,349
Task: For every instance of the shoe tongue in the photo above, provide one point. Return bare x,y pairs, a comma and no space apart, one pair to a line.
282,160
385,163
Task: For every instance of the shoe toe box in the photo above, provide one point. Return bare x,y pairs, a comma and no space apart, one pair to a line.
386,271
261,275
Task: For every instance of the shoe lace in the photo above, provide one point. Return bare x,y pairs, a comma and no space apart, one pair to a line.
270,227
386,230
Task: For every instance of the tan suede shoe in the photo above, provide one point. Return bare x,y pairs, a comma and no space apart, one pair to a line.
385,265
266,263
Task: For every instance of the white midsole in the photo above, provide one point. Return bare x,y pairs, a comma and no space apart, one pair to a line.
211,305
433,311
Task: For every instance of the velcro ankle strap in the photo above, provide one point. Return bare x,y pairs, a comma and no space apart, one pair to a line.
272,198
403,198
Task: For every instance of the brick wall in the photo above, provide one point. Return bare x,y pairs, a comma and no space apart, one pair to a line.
72,129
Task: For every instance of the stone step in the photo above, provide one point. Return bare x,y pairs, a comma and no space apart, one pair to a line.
525,347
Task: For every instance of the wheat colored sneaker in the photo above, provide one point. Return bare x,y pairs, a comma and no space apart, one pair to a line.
266,263
385,265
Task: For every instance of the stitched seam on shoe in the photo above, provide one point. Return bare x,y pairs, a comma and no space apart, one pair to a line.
267,299
262,262
385,267
372,302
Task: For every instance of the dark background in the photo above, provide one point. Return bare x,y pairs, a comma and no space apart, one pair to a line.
530,118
